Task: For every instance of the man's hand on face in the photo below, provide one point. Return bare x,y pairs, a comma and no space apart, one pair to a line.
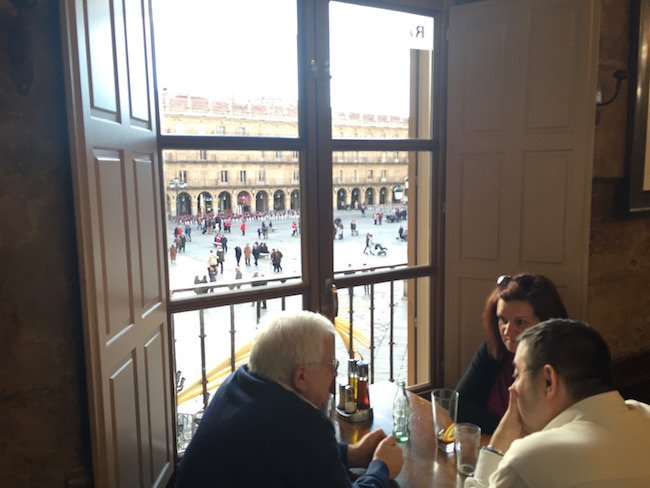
511,426
390,453
360,453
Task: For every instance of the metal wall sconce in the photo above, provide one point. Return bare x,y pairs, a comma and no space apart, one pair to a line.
619,75
16,44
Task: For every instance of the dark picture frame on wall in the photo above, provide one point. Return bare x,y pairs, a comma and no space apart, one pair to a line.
638,141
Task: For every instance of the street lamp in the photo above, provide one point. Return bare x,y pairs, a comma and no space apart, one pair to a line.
177,184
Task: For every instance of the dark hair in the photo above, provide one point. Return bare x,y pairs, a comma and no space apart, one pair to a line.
576,351
537,290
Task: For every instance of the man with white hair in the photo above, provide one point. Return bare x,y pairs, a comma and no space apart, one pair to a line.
265,425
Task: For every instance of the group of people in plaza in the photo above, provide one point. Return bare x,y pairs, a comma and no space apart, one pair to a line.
540,383
217,257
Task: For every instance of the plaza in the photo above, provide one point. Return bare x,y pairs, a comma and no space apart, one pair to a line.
239,322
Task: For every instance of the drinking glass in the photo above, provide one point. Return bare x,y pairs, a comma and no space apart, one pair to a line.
444,403
467,441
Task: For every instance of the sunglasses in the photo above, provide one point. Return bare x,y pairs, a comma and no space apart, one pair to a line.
525,281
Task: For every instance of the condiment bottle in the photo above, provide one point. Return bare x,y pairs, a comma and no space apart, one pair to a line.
363,396
401,414
350,403
353,376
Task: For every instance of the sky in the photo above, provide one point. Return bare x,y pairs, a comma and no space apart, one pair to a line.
246,49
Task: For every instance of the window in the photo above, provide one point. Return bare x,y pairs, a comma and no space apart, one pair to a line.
203,154
362,134
182,176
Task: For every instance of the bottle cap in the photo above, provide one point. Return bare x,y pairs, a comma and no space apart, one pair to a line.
363,368
352,365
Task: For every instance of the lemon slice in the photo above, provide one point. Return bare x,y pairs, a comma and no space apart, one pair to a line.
448,434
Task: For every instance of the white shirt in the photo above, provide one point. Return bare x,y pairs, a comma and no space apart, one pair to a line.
600,441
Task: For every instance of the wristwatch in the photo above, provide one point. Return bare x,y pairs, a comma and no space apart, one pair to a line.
496,451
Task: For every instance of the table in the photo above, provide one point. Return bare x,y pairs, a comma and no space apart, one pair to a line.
424,464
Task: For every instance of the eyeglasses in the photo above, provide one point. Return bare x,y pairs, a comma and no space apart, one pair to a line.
525,281
334,364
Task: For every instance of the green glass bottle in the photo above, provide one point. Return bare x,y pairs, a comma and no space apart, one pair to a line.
401,414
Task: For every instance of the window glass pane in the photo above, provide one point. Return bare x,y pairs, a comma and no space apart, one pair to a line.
372,201
231,199
211,58
378,315
375,55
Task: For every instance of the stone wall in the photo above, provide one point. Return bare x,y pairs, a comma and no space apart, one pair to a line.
43,415
619,255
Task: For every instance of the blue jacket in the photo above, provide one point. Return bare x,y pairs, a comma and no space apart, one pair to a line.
255,433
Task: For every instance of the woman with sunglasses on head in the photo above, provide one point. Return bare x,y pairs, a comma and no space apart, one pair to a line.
517,302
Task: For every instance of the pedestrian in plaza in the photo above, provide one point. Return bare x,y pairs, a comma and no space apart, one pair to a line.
294,229
247,254
366,286
242,227
220,257
172,253
188,231
256,252
369,244
260,303
212,273
237,254
276,260
197,281
353,228
224,243
212,262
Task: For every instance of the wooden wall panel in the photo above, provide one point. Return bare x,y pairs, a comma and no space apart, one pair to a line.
543,230
101,61
479,217
124,402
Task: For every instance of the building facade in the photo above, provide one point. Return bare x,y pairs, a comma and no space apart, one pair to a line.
203,181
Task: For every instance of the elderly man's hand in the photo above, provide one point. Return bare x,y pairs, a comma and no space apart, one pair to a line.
511,426
390,453
360,453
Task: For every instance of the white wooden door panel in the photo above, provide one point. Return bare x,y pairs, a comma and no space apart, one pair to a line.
117,198
520,128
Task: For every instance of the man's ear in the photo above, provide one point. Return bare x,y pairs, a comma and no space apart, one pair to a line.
299,378
551,381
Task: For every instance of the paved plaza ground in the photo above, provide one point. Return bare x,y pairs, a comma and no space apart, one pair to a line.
348,254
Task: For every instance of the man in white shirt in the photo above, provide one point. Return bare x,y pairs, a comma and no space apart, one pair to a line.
565,425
